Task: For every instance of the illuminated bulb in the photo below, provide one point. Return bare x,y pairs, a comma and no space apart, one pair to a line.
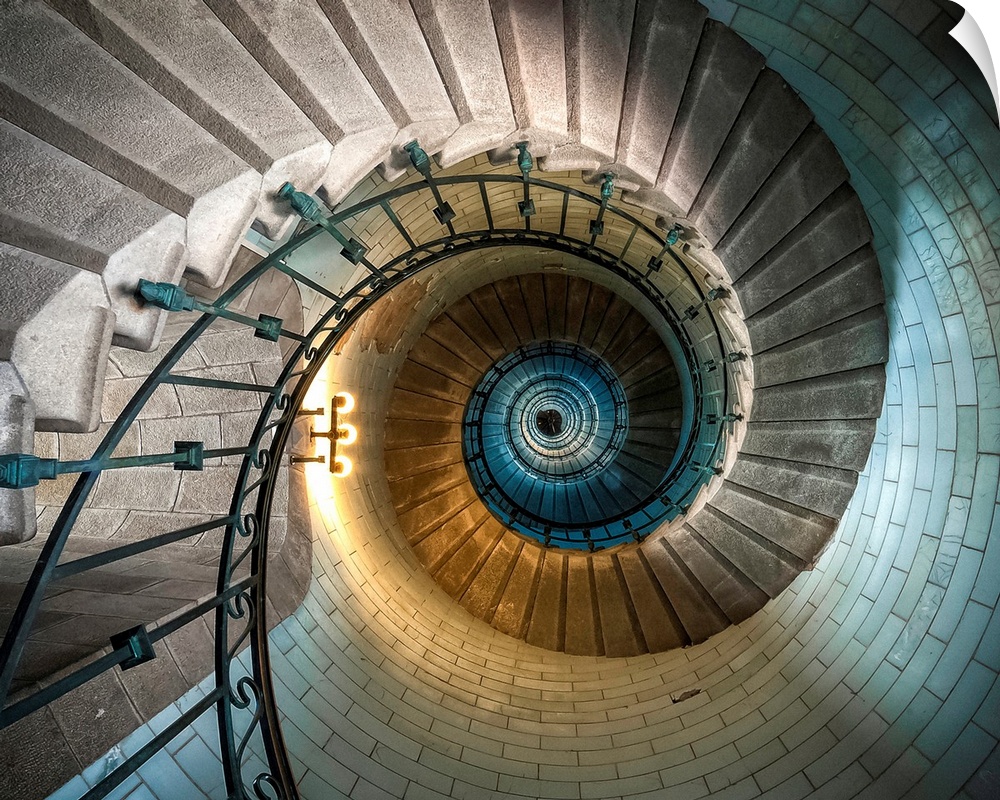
342,466
345,402
347,434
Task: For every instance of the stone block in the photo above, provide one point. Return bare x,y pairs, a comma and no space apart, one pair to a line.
849,395
56,328
825,490
835,443
17,429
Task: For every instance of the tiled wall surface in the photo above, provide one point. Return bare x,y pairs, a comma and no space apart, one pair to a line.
874,675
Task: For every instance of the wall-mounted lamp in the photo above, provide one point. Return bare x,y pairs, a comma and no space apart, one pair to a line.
340,432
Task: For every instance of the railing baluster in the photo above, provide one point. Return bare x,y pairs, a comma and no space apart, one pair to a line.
443,211
171,297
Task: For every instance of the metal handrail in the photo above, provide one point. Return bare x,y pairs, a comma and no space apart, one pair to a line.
245,535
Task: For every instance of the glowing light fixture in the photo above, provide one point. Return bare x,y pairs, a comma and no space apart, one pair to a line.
340,432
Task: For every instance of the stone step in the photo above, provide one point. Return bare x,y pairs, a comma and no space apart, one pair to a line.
493,310
661,628
447,333
732,591
406,405
511,298
535,74
437,546
302,53
597,37
556,288
771,121
56,206
654,85
619,623
794,529
858,341
419,460
694,606
55,328
417,433
724,72
437,358
805,177
468,319
547,626
513,613
834,230
581,614
17,435
173,45
154,149
849,286
770,567
419,379
843,443
631,334
420,520
597,305
482,596
856,394
533,292
610,322
457,573
419,488
464,47
825,490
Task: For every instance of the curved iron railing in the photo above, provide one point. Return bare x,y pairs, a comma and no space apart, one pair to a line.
245,705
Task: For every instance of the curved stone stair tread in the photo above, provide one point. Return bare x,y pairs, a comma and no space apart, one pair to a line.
17,435
835,229
416,489
468,319
492,309
695,608
624,338
511,299
419,379
849,286
56,328
654,85
612,319
791,527
852,343
417,433
439,545
401,463
535,74
387,41
597,40
771,568
429,354
843,443
582,628
56,206
658,621
732,591
808,174
619,621
533,293
513,611
422,519
771,121
825,490
856,394
298,47
155,150
464,46
449,335
556,287
457,572
482,596
723,74
406,405
172,45
546,627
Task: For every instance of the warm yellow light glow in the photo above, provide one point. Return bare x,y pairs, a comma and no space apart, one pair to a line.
345,402
342,466
347,434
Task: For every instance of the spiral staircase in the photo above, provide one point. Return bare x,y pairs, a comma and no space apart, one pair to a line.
754,639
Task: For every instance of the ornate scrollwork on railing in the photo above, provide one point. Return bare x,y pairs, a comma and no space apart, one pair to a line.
641,262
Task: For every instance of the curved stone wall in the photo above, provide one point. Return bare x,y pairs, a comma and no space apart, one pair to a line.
874,675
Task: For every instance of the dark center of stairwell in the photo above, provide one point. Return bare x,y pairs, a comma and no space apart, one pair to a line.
549,422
